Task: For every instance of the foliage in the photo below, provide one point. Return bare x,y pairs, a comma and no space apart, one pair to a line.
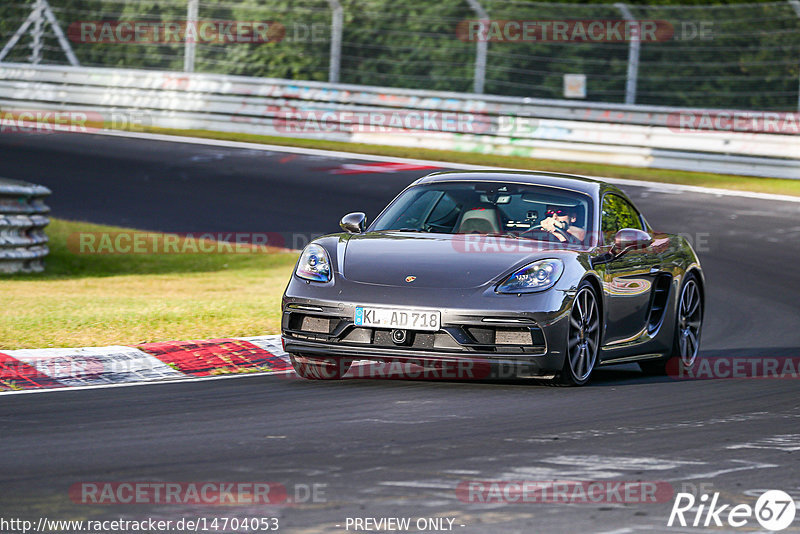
741,55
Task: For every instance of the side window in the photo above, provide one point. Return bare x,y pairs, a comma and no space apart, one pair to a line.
618,214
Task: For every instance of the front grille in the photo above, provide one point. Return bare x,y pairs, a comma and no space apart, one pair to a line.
500,338
482,337
312,323
513,336
321,325
414,340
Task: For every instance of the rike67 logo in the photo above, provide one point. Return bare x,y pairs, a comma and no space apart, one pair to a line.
774,510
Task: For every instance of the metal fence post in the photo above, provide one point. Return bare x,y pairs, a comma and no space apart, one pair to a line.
337,22
15,38
190,45
634,49
41,10
481,49
796,5
62,39
37,33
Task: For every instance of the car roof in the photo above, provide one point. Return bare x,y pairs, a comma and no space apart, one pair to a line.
583,184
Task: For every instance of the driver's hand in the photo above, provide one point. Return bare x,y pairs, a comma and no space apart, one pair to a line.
550,224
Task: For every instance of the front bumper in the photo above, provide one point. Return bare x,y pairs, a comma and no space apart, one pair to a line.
503,338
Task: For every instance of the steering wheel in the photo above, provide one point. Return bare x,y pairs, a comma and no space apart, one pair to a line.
568,238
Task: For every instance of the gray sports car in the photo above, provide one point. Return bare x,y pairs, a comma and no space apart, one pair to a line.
525,274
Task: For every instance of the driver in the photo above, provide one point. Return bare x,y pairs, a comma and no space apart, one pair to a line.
560,218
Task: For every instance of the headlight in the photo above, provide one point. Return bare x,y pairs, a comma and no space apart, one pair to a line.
314,264
537,276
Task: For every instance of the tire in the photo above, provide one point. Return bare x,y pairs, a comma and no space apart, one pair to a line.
583,338
316,368
688,329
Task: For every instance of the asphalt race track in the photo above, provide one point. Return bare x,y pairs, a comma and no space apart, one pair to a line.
384,448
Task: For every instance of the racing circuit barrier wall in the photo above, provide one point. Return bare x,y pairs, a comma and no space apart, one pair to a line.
719,141
23,243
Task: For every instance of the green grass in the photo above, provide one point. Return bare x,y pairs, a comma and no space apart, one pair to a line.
127,299
721,181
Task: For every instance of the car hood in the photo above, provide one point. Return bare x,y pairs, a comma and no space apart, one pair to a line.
438,260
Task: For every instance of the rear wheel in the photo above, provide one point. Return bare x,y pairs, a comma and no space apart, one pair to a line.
583,338
688,327
319,368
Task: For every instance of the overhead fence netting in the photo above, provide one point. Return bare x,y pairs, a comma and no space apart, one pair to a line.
726,56
734,56
535,68
410,44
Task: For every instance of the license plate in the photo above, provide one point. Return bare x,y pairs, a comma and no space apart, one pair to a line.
401,318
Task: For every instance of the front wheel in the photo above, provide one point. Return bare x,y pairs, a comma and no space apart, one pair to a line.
316,368
583,338
688,327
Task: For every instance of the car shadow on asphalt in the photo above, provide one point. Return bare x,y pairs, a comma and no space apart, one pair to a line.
715,364
746,363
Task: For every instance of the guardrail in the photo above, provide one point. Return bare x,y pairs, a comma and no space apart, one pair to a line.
23,243
642,136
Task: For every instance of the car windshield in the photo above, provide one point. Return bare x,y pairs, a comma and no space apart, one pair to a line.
518,210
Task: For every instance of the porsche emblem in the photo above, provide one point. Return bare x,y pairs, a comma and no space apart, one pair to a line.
410,279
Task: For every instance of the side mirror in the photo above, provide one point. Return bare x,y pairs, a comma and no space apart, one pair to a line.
630,238
354,223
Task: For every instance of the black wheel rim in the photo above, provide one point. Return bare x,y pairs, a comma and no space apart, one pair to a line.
690,319
584,334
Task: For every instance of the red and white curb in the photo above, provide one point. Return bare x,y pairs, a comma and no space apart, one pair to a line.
30,370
